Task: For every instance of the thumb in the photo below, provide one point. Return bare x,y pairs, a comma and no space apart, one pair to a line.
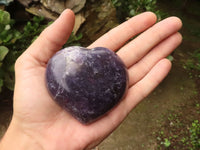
52,38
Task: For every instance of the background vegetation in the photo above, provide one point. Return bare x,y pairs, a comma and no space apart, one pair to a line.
130,8
13,42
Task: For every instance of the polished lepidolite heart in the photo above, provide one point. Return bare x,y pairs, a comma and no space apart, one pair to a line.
86,82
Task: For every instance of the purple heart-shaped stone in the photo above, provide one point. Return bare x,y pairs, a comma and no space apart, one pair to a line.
86,82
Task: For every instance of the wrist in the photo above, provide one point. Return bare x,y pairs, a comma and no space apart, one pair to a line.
21,137
16,138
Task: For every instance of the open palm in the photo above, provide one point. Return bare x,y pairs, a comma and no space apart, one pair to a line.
48,125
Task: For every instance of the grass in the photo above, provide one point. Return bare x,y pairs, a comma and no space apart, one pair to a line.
181,129
193,62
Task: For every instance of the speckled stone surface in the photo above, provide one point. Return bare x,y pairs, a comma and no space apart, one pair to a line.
86,83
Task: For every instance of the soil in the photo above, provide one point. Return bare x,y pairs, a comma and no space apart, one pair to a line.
178,95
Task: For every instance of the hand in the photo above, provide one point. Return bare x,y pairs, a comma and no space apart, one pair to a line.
39,123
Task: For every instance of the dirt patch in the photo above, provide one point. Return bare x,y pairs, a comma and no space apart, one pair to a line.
162,121
136,132
175,132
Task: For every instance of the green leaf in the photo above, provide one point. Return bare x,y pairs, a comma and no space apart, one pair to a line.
78,37
3,52
132,12
4,17
8,38
37,19
167,143
170,57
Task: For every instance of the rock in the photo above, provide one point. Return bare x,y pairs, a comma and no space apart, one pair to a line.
40,10
5,2
79,20
59,5
75,5
27,2
86,83
54,5
51,9
100,18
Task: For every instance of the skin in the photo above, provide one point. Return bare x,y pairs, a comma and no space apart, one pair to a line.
39,123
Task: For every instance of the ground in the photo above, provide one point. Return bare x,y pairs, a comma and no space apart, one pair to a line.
164,119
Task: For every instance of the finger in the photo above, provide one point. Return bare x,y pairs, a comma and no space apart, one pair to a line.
141,68
118,36
135,94
139,47
52,38
145,86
